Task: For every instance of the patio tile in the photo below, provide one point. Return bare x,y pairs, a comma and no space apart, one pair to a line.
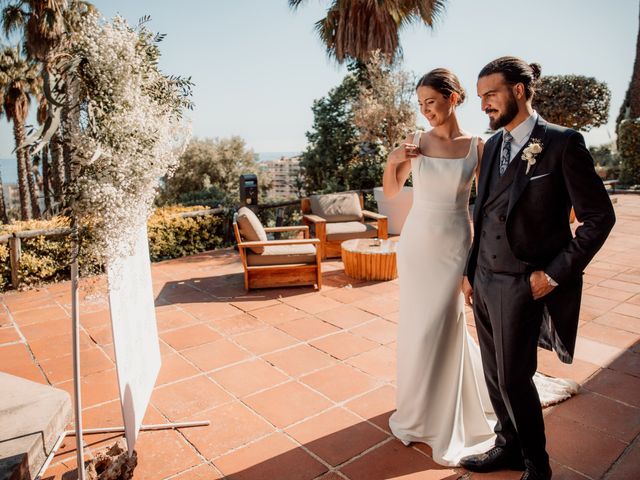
336,435
236,324
616,385
201,472
163,453
598,303
375,406
609,416
286,404
609,293
190,336
276,314
28,371
248,377
343,345
265,340
174,318
394,460
379,362
60,369
579,370
378,330
628,309
340,382
312,303
620,285
97,388
299,360
378,305
308,328
346,294
41,314
232,425
216,354
583,449
174,368
595,352
98,318
628,362
609,335
621,322
626,468
248,303
211,310
102,335
346,316
9,335
274,457
188,397
46,329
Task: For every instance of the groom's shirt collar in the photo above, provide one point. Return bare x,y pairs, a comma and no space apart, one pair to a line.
522,133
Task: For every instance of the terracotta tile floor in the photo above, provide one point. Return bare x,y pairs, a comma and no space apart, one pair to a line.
299,384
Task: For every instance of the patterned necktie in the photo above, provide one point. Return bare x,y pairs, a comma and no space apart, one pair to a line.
505,158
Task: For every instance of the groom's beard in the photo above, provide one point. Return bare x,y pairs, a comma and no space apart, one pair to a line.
507,116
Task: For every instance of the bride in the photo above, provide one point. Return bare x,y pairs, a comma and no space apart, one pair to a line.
442,399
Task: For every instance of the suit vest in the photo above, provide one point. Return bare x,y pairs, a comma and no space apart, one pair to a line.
494,252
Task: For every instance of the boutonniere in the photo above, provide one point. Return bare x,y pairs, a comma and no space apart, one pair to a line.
530,152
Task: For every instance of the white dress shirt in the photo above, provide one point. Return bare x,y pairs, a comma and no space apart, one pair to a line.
522,133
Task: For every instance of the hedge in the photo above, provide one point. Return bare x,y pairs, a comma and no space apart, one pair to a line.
629,149
47,259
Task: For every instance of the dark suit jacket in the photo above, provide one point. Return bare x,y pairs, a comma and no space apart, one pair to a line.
537,222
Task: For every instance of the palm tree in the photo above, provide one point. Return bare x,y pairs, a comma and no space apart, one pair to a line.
19,81
43,24
353,29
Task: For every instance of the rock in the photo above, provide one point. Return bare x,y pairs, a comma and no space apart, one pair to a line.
113,463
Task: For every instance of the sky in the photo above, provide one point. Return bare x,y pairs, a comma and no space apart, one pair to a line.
257,65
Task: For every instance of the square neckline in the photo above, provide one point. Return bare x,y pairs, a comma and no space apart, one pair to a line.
447,158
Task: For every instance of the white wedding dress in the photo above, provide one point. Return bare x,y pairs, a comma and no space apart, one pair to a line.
442,399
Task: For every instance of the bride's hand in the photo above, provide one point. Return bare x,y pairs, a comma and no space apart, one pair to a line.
467,291
404,153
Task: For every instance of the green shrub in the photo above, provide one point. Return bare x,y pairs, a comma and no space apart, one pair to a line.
629,149
47,259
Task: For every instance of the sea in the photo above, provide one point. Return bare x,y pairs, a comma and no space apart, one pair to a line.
9,171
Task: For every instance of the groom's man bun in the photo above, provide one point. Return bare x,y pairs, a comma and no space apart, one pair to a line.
515,70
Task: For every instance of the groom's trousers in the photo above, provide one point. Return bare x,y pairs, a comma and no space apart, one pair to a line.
508,323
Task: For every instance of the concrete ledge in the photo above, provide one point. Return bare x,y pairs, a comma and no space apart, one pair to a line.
32,417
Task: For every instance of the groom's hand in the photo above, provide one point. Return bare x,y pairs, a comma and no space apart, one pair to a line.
540,286
467,291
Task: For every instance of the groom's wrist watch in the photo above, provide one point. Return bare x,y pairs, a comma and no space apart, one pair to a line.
551,281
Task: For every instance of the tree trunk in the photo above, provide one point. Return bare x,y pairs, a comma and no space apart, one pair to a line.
57,166
33,187
3,207
634,87
18,134
46,179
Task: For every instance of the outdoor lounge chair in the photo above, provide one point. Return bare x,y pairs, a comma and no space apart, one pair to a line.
337,217
275,263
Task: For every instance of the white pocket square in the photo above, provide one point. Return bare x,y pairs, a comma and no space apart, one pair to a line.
539,176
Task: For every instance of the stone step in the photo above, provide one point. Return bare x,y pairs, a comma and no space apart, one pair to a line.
32,417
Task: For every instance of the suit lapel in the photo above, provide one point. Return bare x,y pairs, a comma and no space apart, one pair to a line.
488,161
521,177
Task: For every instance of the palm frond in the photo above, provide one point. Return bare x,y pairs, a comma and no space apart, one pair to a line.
13,19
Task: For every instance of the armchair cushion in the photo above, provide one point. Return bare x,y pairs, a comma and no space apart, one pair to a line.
337,207
347,230
251,228
282,255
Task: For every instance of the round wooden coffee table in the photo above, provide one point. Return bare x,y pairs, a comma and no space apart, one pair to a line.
365,260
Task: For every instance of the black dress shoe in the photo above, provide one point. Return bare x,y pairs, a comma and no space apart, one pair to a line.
532,473
498,458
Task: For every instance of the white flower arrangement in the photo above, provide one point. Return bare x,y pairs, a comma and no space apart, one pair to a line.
131,134
530,152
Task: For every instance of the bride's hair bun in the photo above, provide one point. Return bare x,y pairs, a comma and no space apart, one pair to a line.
443,81
536,70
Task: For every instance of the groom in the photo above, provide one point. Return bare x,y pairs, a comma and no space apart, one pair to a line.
524,270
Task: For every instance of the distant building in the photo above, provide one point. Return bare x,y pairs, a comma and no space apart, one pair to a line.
285,173
11,196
